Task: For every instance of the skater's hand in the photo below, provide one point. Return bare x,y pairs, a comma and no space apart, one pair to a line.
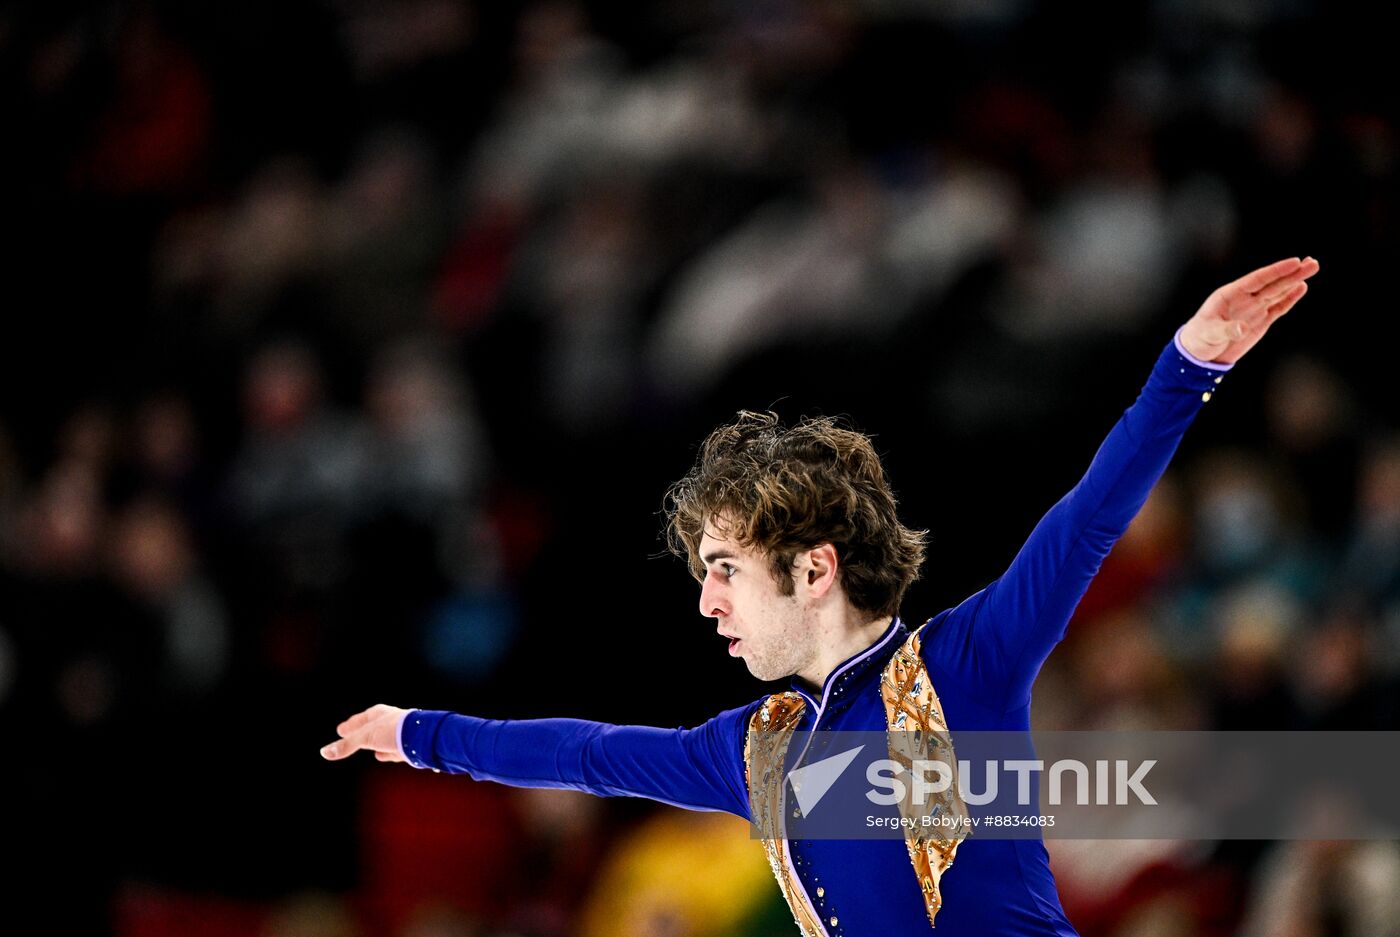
1237,315
374,730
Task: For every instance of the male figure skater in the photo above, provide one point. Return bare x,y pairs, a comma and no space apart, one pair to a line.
803,563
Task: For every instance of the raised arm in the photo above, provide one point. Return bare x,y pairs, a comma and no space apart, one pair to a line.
995,642
699,769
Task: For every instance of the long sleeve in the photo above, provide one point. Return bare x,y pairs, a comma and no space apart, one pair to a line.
995,642
698,769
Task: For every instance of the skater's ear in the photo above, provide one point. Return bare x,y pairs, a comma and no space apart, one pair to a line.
816,569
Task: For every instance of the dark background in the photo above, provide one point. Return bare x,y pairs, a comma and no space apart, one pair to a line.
351,346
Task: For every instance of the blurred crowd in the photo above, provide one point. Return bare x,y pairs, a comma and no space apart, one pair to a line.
351,345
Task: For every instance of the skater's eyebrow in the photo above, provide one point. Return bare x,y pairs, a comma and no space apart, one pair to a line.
718,555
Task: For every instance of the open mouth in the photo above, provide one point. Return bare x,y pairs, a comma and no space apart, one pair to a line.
733,646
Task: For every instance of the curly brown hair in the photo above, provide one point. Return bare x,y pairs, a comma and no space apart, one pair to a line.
782,490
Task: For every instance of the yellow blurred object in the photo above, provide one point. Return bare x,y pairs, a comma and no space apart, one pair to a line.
681,875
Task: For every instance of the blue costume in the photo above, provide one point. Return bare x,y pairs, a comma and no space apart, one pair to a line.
982,656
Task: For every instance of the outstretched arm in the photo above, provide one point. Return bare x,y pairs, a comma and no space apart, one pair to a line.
699,769
995,642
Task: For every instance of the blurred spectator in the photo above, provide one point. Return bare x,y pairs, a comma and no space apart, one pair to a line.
1102,258
294,480
427,451
1312,424
1250,688
167,457
1144,560
61,526
153,558
1372,557
383,234
383,41
549,124
1311,888
312,915
1124,681
585,276
1338,686
153,135
851,259
566,838
1248,527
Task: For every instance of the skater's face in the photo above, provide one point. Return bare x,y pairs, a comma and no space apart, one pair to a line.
769,630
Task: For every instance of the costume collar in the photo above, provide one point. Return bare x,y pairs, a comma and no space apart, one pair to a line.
854,668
